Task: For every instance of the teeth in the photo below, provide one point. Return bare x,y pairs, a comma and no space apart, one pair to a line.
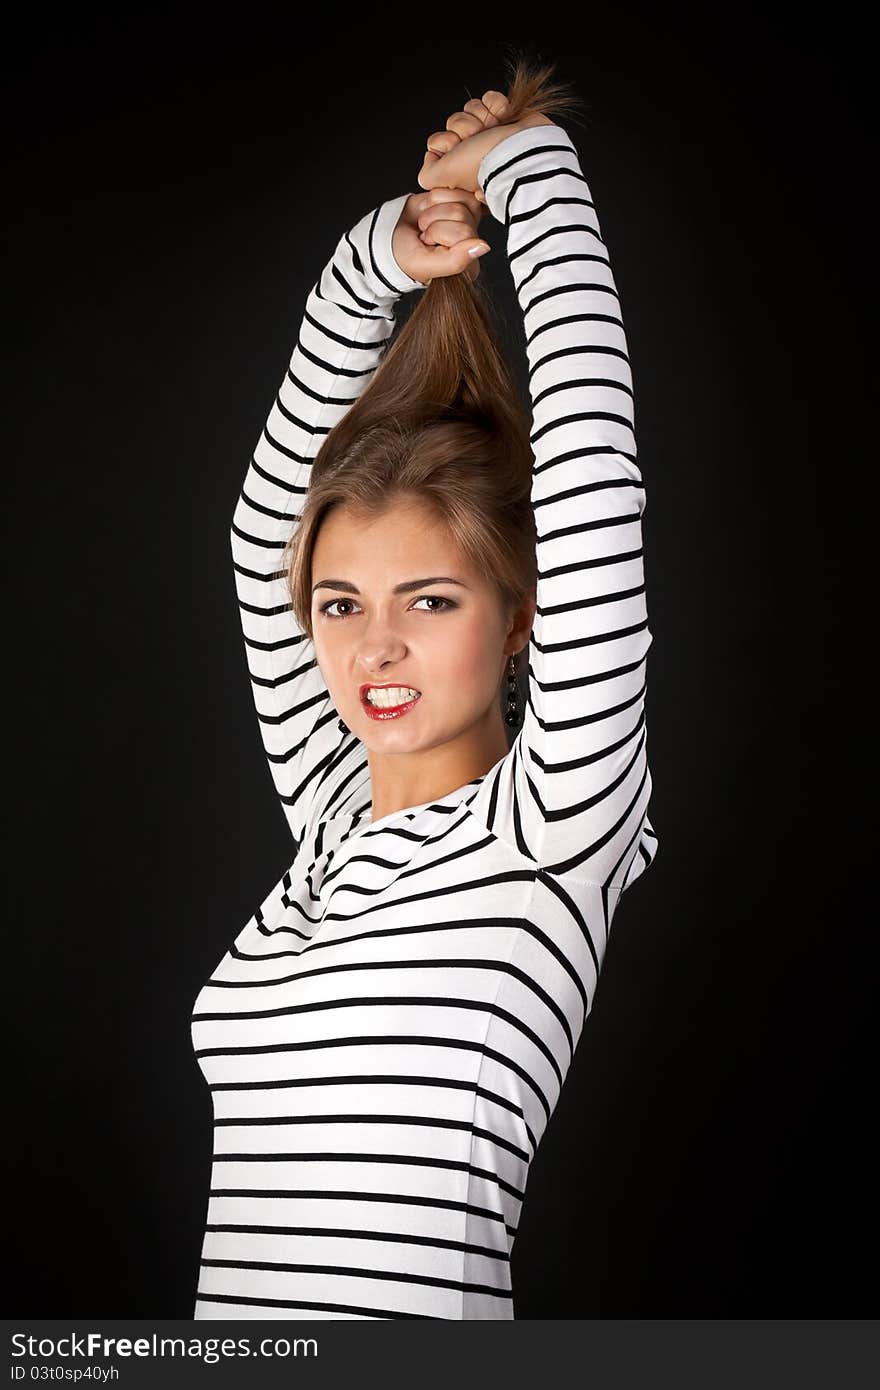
394,695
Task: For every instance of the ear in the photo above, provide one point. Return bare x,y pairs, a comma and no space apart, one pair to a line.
521,621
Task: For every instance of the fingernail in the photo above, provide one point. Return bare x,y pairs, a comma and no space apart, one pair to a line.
479,250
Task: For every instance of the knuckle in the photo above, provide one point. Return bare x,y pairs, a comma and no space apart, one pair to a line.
494,101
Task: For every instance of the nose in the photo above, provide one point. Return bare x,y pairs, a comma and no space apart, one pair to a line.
381,647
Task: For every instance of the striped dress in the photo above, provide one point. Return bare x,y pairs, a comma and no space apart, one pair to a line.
386,1038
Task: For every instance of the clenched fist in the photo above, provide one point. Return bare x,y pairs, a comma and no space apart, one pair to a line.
436,233
454,154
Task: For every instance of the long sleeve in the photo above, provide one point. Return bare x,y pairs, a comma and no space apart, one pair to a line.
573,792
348,319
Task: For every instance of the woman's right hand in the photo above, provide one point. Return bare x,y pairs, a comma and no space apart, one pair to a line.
435,232
454,155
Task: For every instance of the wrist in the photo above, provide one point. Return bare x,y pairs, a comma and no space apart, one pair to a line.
385,280
530,147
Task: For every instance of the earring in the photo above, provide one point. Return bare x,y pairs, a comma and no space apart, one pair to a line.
343,727
512,716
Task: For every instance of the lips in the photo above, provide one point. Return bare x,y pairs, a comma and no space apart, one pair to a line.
387,711
389,685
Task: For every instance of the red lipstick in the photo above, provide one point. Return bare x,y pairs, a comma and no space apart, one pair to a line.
386,712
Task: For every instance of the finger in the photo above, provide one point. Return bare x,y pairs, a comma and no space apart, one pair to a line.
442,141
449,232
440,171
429,160
450,197
452,260
496,103
461,218
475,107
464,123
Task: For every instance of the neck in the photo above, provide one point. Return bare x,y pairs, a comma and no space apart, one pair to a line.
399,780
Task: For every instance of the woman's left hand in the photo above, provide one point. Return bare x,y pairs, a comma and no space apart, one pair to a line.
435,232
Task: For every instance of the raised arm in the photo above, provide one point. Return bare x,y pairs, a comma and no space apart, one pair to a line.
573,793
348,319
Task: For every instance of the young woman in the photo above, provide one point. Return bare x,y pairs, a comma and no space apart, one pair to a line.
387,1037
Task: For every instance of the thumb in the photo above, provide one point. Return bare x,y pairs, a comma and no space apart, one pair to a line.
463,254
424,180
452,260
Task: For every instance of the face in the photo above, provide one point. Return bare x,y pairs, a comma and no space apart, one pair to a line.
447,638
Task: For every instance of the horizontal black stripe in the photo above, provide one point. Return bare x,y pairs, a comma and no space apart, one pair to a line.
359,1272
342,1232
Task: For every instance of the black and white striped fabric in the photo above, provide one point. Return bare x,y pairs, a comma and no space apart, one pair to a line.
386,1039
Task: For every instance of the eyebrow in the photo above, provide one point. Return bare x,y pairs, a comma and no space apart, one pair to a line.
406,588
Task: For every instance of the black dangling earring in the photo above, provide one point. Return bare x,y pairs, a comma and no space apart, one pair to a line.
512,715
343,727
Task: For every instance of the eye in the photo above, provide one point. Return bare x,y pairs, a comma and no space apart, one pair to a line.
325,607
437,598
444,603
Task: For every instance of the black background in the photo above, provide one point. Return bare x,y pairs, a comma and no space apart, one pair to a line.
179,177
